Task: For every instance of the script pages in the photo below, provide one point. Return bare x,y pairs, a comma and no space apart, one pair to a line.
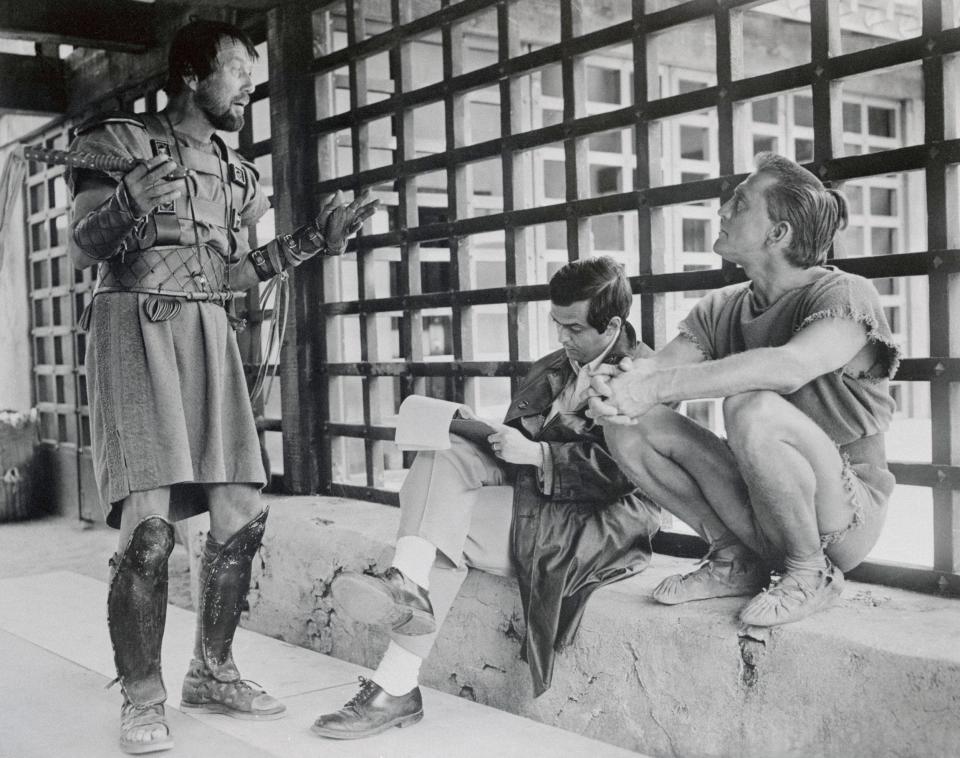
425,423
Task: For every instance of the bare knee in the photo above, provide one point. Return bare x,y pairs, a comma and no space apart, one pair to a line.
232,507
138,506
750,418
655,434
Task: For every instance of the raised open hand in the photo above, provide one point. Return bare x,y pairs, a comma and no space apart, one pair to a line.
338,222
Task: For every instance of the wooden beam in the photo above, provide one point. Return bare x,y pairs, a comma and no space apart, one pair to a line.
242,5
30,84
104,24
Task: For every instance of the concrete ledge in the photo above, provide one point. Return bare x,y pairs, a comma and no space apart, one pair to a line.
878,675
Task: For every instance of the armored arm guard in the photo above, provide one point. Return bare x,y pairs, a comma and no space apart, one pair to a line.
289,250
102,232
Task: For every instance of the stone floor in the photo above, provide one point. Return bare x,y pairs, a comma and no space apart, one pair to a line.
66,543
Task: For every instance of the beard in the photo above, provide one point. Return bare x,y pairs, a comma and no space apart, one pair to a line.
220,116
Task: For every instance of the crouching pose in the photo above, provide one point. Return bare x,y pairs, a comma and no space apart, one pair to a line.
802,355
173,431
543,502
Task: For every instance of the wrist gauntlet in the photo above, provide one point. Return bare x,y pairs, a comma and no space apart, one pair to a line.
102,232
288,251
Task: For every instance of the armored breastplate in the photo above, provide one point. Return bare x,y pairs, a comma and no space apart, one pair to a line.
171,223
191,273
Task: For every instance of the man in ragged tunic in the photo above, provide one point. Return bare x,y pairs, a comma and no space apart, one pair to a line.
173,429
802,356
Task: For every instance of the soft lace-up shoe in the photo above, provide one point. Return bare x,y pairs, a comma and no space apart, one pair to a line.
794,596
371,711
242,699
385,600
713,578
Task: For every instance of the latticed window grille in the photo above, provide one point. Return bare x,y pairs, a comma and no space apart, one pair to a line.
505,137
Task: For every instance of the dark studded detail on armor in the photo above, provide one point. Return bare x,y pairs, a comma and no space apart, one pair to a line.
224,584
287,251
137,610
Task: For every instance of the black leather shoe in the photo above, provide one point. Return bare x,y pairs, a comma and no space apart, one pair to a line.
387,600
371,711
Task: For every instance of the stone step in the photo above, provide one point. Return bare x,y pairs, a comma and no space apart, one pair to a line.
876,675
56,658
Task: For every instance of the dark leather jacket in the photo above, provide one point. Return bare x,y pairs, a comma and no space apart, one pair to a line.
594,528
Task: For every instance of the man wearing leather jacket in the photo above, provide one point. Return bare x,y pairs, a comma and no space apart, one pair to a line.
172,427
541,501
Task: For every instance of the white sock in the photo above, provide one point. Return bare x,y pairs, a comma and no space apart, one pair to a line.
414,557
398,671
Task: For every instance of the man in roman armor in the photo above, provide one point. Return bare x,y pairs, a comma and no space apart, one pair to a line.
173,430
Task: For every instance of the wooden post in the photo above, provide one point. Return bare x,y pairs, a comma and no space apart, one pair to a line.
302,359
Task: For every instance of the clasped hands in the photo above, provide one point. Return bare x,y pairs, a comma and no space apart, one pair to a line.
622,393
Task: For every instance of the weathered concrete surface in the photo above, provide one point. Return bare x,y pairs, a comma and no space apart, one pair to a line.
60,707
879,675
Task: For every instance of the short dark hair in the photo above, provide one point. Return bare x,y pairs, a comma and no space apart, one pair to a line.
602,281
814,212
194,49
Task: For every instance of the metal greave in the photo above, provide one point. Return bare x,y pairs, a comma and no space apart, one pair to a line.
137,610
224,584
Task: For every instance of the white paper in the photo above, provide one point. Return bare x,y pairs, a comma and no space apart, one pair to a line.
424,423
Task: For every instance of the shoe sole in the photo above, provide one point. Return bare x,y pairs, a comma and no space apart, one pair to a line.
364,599
225,710
732,592
141,748
400,723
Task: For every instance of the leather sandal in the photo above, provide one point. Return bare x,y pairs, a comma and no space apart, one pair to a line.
239,699
143,718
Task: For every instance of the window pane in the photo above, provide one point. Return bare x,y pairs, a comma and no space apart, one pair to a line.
788,24
883,201
802,110
672,48
765,111
603,84
534,22
696,234
852,117
881,122
695,143
607,233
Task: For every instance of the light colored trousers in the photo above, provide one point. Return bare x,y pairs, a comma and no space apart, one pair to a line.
456,500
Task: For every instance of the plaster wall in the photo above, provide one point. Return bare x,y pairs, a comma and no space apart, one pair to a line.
15,361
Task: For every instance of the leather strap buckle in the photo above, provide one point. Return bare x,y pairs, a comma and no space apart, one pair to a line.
237,174
162,147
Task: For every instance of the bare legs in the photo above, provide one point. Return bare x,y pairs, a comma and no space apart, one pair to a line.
772,490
